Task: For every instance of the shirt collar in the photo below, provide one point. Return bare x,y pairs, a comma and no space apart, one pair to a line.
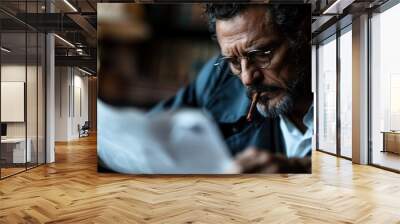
308,119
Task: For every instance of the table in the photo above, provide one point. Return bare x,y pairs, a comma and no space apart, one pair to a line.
16,147
391,141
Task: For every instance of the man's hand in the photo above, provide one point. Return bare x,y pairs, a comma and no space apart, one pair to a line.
253,160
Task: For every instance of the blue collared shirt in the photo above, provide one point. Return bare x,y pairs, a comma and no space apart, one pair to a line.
296,143
223,96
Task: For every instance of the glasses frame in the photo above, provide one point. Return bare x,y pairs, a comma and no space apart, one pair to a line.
248,57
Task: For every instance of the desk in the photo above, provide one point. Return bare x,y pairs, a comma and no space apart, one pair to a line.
391,141
15,148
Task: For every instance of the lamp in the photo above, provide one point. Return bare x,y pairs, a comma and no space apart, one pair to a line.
70,5
84,71
64,40
5,50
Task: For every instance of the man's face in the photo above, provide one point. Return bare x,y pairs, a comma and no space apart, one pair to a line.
254,30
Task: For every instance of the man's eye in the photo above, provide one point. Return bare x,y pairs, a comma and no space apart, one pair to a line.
234,63
261,57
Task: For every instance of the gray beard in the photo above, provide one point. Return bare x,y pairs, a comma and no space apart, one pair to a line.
284,106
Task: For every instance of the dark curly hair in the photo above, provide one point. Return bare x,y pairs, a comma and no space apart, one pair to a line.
293,21
288,19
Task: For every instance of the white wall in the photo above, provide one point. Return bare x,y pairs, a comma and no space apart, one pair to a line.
71,94
13,72
61,103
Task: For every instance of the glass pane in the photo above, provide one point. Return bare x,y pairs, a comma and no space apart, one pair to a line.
41,98
386,89
345,94
14,153
327,96
32,95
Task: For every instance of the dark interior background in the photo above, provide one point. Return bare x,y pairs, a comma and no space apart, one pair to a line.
152,68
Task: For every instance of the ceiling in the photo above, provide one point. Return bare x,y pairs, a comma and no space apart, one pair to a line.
76,22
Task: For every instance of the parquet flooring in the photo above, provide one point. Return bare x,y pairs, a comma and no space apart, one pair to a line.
10,171
71,191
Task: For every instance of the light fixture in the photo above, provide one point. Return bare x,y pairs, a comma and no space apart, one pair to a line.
70,5
5,50
84,71
64,40
80,51
337,7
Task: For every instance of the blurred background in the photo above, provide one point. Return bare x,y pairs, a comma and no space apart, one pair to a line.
147,52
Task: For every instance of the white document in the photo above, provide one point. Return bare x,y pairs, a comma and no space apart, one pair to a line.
184,142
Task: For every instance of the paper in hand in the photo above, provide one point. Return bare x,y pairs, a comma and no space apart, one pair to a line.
184,142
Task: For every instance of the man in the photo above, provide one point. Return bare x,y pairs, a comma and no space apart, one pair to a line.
265,49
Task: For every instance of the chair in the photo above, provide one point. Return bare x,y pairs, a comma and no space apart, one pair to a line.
84,130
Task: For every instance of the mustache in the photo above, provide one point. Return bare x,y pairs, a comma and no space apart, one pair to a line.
261,88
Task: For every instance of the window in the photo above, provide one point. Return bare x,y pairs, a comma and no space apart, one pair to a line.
22,77
327,96
346,92
385,88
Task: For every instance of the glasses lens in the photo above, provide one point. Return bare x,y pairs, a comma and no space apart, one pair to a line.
261,59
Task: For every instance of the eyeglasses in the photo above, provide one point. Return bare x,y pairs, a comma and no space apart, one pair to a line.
259,58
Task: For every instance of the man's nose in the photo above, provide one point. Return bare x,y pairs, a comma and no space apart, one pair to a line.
249,75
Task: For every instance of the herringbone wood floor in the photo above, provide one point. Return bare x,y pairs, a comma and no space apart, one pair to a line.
71,191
